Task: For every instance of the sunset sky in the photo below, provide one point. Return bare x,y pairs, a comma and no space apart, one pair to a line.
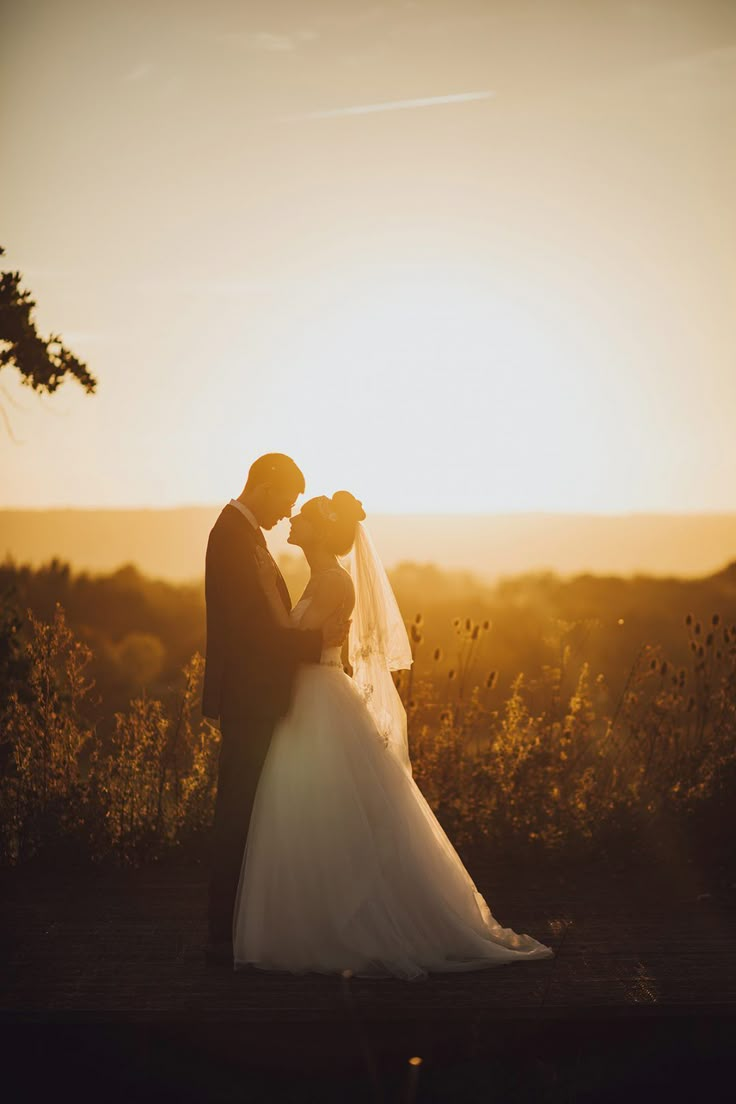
453,256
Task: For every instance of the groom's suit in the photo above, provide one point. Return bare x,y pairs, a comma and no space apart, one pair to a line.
249,671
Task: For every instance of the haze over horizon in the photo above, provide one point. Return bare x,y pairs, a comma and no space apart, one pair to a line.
455,256
171,543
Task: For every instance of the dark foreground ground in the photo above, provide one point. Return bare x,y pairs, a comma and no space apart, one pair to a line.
106,997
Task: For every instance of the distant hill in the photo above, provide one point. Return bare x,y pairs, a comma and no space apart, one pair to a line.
170,543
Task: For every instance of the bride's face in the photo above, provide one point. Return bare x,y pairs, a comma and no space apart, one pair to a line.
303,533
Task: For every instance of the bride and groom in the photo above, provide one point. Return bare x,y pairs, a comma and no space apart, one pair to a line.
326,856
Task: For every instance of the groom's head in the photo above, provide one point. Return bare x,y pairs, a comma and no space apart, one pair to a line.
273,486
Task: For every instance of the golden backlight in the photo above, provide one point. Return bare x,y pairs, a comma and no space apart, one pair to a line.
455,259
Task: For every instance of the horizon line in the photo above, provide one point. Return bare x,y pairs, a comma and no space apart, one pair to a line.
169,508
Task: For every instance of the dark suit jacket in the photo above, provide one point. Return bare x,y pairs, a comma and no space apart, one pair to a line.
251,660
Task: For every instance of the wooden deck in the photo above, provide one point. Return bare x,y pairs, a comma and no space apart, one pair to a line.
645,971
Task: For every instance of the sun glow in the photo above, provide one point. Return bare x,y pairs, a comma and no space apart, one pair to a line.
494,275
425,388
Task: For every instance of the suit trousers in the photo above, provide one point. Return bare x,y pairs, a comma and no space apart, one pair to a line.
243,749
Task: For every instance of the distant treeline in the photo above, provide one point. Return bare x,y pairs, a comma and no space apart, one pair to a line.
575,716
143,631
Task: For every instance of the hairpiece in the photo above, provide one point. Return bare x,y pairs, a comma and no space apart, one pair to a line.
324,505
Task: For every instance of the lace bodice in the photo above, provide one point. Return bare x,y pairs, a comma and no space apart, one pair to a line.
330,657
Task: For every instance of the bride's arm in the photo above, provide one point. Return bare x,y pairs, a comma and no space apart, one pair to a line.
330,607
250,621
328,611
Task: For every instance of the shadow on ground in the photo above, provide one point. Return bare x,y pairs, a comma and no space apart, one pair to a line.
106,995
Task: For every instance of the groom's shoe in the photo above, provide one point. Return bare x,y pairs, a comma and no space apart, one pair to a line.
219,954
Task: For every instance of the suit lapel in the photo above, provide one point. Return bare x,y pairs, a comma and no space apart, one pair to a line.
283,589
257,538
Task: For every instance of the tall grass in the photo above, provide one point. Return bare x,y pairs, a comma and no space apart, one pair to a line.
557,766
574,772
151,787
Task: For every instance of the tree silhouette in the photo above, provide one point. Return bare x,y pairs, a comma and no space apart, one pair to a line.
42,363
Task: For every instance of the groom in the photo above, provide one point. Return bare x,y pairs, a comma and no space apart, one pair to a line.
250,667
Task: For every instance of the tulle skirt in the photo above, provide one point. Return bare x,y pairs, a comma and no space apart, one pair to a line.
346,866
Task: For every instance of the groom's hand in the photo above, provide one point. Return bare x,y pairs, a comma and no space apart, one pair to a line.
335,631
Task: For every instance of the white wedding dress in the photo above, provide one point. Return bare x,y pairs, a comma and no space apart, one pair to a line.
346,866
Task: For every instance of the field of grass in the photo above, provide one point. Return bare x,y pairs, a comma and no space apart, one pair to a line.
545,717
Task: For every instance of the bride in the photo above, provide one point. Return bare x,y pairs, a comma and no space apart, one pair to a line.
346,867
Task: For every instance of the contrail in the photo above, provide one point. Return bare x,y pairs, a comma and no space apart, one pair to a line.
398,105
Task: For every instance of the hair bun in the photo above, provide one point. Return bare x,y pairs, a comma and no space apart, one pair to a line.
348,506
